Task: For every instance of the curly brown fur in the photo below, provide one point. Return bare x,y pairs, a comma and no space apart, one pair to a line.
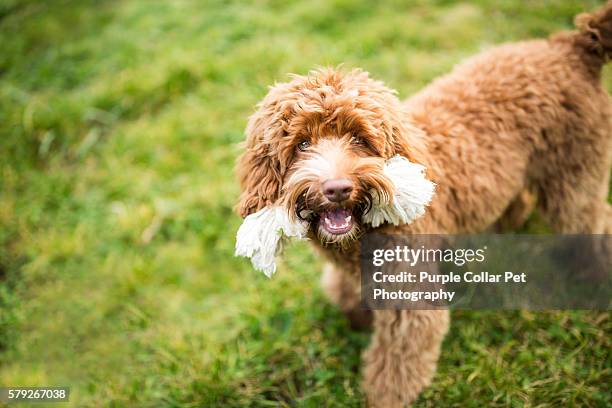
528,116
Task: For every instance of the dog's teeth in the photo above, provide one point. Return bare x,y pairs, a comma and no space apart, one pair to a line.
337,226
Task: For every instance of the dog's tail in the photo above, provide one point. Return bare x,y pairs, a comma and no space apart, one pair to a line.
595,34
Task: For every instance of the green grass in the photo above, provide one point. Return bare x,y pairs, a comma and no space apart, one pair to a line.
119,125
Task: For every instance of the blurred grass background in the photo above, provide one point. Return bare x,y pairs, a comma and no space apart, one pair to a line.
119,124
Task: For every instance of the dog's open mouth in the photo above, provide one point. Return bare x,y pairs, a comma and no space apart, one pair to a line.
334,224
336,221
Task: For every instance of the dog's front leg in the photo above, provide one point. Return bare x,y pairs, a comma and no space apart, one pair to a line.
402,357
343,287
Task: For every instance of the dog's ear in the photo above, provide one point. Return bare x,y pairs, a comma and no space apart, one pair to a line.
400,136
408,141
259,168
403,138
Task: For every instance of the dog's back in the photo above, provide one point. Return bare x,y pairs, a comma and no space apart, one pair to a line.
535,112
518,83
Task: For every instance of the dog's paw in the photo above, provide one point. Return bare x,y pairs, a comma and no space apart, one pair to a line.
388,386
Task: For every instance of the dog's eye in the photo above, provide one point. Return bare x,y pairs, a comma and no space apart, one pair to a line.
303,145
356,140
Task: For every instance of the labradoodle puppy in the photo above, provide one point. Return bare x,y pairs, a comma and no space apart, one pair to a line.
524,116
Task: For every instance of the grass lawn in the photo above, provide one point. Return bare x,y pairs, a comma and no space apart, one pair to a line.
119,127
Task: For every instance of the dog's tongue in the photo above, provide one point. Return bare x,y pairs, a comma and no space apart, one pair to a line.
337,221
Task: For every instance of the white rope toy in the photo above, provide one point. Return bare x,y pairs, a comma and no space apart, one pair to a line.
413,192
262,234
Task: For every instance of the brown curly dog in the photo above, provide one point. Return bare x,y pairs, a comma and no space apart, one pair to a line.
524,116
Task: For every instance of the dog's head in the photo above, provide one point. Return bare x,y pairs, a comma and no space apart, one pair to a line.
318,146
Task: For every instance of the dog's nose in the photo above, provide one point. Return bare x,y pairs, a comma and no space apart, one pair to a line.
337,190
